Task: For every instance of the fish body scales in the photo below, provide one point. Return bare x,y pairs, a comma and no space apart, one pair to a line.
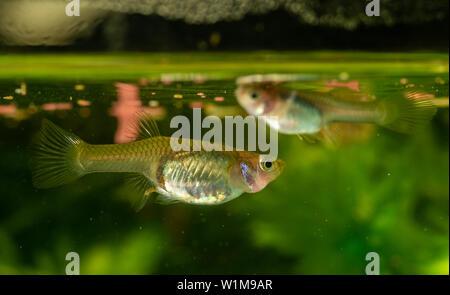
198,177
135,156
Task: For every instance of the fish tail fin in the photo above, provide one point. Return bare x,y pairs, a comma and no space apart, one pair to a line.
406,113
55,157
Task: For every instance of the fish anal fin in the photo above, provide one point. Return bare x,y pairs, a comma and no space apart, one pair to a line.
323,135
308,138
139,203
348,133
164,200
328,138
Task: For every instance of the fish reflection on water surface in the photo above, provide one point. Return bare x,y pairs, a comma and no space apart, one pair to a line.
295,111
195,177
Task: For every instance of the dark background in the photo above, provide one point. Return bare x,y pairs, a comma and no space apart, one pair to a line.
403,25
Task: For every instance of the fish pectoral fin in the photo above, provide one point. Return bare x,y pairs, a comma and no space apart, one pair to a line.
143,187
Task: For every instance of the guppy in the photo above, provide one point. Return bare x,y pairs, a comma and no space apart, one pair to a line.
195,177
294,111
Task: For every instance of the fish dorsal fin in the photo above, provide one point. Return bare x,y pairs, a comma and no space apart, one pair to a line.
143,187
146,127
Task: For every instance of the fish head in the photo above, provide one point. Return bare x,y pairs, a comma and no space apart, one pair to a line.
253,172
257,99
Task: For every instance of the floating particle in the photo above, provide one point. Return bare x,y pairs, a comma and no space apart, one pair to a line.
178,96
202,45
8,109
8,97
157,113
58,106
439,80
411,85
70,98
203,96
222,111
166,80
353,85
79,87
214,39
199,79
22,90
143,81
32,108
200,94
403,81
344,76
196,104
153,93
219,98
153,103
83,103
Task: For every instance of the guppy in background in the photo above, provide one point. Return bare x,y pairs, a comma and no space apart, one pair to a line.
196,177
307,112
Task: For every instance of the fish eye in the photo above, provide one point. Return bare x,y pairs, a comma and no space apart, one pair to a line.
254,94
266,166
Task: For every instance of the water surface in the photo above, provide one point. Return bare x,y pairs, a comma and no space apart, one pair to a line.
380,191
